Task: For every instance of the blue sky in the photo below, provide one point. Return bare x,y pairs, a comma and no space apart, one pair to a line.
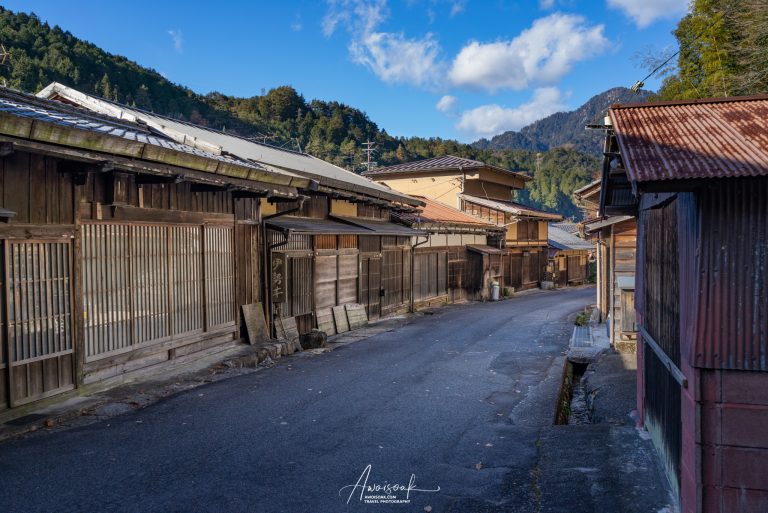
449,68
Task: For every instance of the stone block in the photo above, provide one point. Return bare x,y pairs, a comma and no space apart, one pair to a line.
315,339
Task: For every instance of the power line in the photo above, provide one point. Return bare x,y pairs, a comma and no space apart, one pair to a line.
640,83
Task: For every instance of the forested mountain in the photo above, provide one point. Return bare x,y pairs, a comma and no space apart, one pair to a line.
40,54
565,128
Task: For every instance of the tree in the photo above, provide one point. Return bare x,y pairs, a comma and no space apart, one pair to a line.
723,51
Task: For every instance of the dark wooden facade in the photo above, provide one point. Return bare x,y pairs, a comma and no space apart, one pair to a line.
331,261
568,267
114,275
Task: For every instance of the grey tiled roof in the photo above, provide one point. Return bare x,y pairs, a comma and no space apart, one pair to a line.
447,162
561,239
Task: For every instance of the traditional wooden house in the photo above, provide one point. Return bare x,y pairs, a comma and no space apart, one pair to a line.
447,265
699,173
335,246
569,255
518,259
613,231
120,247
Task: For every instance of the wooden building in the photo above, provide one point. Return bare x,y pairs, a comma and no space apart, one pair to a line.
332,247
569,255
518,259
447,265
121,248
699,173
613,230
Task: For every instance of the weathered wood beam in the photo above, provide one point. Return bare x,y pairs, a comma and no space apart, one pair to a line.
142,179
159,215
6,148
80,158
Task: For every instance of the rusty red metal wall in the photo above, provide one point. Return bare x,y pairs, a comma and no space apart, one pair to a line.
731,329
734,441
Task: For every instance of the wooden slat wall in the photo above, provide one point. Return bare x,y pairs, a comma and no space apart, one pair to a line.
430,274
149,257
392,279
39,319
295,241
146,283
105,257
248,250
186,279
218,249
300,281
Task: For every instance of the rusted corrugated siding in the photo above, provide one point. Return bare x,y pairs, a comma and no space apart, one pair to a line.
703,139
732,318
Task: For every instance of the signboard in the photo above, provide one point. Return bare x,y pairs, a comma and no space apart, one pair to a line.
253,315
278,277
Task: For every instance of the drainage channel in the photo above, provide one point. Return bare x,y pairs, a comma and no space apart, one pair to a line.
573,401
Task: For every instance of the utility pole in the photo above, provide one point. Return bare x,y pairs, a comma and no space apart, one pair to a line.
5,56
369,147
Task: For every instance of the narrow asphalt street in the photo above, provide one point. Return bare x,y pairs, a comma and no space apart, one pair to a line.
463,400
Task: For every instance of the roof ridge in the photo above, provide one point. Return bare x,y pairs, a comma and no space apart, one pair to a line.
693,101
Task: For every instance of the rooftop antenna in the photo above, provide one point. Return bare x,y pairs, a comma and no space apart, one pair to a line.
369,147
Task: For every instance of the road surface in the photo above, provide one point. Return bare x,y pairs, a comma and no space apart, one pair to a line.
462,400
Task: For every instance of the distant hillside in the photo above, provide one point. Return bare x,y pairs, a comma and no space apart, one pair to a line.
564,128
41,53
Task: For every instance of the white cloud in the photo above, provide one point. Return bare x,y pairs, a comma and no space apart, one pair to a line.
178,39
391,56
489,120
359,16
541,54
546,4
397,59
645,12
446,104
457,7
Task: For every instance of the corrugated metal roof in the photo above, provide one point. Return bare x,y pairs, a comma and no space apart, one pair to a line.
596,224
304,164
305,225
437,213
510,207
562,240
339,225
488,250
445,163
28,106
380,227
713,138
